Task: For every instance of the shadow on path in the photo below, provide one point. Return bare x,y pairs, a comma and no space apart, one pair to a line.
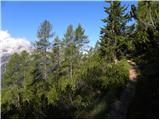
119,107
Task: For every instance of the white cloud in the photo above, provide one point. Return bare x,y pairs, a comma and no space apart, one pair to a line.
9,44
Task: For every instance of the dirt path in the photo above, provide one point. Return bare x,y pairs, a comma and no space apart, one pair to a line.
120,106
132,71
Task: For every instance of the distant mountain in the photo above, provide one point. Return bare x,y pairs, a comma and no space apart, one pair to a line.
10,45
4,60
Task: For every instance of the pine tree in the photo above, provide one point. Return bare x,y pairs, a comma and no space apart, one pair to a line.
81,41
69,49
56,58
113,43
56,50
43,34
38,84
80,38
70,62
74,41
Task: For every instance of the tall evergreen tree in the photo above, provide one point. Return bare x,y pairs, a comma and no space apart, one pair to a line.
56,57
43,34
69,55
81,41
80,38
69,49
56,50
113,43
75,42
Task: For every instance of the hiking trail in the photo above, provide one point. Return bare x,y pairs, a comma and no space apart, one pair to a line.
119,107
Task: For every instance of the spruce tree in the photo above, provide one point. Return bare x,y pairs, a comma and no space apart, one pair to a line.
113,44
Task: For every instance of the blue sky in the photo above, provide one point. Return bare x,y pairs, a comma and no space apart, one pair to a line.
22,18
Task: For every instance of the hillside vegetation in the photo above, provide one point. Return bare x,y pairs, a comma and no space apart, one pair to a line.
63,79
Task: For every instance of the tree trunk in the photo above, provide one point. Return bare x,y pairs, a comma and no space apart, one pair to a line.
45,68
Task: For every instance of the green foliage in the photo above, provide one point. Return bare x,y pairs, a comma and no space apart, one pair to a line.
52,95
114,43
146,54
80,38
44,33
14,77
116,75
76,94
60,81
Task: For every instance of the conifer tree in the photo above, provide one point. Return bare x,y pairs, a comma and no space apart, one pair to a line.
43,34
14,77
69,49
80,38
146,55
81,41
113,43
69,63
56,50
56,57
